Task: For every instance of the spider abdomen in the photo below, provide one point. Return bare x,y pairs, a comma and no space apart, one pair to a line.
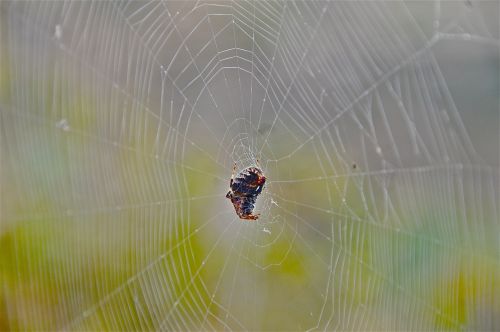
248,182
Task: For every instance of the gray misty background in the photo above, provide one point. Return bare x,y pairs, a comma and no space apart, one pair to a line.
375,122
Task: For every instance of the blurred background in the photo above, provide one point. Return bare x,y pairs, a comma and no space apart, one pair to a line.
376,124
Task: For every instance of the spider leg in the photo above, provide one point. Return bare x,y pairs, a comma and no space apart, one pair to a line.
250,216
232,175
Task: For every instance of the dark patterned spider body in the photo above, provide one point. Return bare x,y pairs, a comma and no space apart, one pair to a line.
244,189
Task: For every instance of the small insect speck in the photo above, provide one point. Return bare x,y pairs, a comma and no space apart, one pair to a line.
63,124
58,31
354,166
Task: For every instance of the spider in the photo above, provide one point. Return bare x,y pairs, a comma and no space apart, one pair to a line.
244,189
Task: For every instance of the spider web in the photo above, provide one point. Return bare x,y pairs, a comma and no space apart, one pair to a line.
121,122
